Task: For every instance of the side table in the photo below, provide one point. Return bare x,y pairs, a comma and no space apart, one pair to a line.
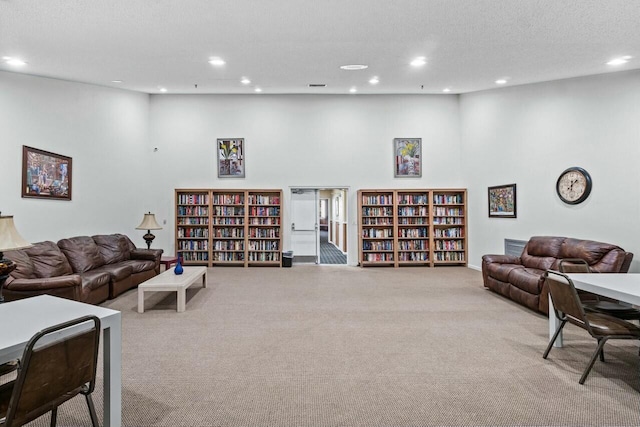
167,261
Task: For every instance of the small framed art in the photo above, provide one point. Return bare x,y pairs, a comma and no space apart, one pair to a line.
45,175
408,157
502,201
231,158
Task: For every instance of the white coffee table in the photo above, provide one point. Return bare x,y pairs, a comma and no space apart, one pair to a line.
169,281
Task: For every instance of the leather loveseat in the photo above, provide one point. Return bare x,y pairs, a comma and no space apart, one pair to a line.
88,269
520,278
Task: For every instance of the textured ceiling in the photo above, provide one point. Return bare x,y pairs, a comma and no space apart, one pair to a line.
284,45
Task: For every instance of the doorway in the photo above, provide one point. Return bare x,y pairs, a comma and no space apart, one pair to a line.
319,225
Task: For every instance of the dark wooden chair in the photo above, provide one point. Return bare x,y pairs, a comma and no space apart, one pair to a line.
56,366
568,308
593,302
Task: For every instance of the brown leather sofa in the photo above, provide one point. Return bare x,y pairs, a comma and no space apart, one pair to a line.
520,278
88,269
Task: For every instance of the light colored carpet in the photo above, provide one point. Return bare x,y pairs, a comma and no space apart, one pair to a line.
344,346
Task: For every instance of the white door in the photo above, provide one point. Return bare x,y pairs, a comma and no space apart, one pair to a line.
304,224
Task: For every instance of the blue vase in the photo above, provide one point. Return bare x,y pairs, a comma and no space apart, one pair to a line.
178,268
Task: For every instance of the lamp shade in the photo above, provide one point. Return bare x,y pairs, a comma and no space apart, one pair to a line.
9,236
149,223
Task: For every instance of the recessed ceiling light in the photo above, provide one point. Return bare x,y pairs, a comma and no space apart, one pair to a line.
163,89
116,81
258,90
419,61
16,62
501,81
245,81
374,81
446,89
354,67
216,61
353,90
619,61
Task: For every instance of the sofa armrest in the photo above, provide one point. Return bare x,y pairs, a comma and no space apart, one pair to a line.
501,259
149,254
69,286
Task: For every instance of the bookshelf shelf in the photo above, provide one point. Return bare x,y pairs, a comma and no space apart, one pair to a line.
231,227
412,227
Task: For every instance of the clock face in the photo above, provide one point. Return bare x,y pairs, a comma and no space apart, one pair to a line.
574,185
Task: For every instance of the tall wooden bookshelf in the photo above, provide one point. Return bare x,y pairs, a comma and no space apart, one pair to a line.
412,227
229,227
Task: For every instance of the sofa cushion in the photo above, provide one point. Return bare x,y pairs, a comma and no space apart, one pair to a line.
604,257
528,279
501,271
113,247
24,266
82,252
140,265
541,252
48,260
94,279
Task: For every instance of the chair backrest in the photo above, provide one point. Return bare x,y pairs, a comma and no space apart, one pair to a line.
56,366
566,301
573,265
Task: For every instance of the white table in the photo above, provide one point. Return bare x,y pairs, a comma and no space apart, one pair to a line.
169,281
621,286
24,318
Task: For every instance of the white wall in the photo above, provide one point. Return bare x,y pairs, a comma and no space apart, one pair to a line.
300,140
105,131
529,134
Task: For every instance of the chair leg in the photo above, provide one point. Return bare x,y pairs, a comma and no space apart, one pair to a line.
553,339
54,416
601,353
593,360
92,411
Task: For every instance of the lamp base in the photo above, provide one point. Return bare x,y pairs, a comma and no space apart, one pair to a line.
148,238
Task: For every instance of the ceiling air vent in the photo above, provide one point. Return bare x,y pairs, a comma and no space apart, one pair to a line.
317,85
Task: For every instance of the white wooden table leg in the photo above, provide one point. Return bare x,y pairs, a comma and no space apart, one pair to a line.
140,300
553,324
112,370
182,299
204,280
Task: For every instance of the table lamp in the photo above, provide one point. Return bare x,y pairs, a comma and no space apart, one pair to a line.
9,239
149,223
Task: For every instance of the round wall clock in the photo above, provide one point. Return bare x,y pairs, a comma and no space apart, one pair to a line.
574,185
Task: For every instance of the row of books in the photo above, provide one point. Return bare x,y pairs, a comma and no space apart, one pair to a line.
377,257
413,256
193,245
228,245
379,199
413,199
261,211
449,256
228,199
188,220
228,256
193,232
449,245
264,221
377,221
448,199
264,256
377,211
413,232
448,212
194,256
193,199
259,199
449,232
229,232
264,245
385,245
448,220
413,245
228,221
413,211
377,232
193,210
228,211
264,232
419,220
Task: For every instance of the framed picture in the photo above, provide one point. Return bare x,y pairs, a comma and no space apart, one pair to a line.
231,158
408,157
45,175
502,201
